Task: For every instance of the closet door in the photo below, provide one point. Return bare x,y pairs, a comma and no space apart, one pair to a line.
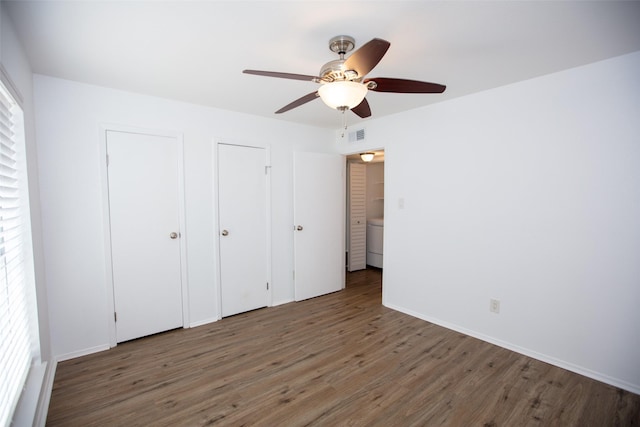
357,221
244,245
144,198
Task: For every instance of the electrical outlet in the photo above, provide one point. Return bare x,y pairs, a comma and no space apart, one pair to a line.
494,305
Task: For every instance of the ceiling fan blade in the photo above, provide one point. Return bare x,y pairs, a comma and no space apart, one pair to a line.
298,102
283,75
363,110
385,84
364,59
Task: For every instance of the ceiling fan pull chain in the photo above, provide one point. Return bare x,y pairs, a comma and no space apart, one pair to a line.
344,122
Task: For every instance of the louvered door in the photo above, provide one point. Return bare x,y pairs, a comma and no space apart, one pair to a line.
357,254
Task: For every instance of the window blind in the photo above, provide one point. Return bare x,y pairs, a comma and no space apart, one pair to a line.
15,336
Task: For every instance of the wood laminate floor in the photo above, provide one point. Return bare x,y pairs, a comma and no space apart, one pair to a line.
337,360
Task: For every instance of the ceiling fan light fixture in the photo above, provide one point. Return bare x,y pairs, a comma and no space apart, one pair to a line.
343,94
367,157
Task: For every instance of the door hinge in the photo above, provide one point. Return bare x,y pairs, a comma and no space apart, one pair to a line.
267,285
115,316
266,169
107,160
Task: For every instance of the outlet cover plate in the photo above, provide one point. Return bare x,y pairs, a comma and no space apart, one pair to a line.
494,305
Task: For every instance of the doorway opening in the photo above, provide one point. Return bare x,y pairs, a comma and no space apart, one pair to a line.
365,212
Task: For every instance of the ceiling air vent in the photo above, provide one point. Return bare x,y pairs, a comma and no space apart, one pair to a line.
356,136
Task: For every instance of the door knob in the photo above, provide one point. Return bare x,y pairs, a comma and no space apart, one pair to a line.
173,235
225,233
299,228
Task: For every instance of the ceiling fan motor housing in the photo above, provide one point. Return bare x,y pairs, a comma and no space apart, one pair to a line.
335,70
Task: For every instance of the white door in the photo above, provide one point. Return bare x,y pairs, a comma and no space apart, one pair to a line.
357,217
319,212
145,233
242,213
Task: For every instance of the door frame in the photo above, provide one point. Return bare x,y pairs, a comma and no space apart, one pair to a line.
385,205
104,176
216,217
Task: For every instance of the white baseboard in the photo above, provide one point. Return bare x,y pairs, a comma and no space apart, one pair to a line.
282,302
203,322
82,352
616,382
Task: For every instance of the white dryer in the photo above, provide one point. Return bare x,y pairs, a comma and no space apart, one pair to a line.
375,233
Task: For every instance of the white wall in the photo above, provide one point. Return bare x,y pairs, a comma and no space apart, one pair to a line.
530,194
68,116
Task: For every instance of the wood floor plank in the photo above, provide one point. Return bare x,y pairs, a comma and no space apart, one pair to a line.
340,359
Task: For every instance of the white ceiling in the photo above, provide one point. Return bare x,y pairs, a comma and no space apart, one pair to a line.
196,51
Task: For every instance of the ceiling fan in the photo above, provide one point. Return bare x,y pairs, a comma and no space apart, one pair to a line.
343,85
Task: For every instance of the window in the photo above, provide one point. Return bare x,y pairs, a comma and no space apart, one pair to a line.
15,331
